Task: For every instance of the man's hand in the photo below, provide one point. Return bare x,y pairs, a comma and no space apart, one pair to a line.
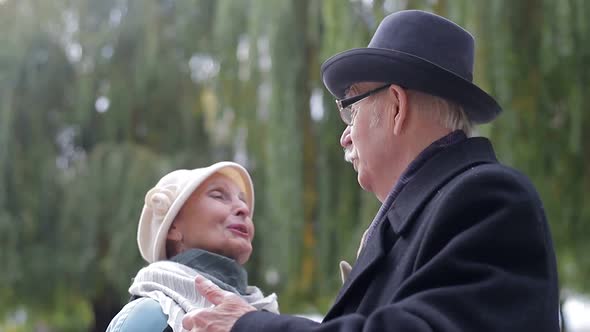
222,317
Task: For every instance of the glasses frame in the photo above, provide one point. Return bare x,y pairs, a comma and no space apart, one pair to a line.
344,105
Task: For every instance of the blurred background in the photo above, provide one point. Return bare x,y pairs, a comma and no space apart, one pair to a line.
99,98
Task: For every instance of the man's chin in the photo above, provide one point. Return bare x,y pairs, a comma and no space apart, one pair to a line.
361,183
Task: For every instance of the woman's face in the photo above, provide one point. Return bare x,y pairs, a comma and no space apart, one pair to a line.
215,218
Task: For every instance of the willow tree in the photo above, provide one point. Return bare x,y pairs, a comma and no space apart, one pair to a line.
100,98
344,210
264,85
535,63
310,212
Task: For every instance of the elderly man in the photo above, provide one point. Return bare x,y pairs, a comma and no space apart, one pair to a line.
461,242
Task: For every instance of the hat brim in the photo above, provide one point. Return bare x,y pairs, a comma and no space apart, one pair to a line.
411,72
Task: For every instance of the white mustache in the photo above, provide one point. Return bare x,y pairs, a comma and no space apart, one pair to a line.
350,154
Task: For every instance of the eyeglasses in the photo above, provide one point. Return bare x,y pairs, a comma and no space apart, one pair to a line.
345,105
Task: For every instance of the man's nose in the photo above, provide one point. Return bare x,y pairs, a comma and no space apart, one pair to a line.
345,139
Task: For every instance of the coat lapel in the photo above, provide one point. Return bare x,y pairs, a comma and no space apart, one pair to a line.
434,174
370,255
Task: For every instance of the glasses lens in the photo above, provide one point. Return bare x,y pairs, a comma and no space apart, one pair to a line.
346,115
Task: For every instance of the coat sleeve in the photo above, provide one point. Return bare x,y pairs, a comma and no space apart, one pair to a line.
484,262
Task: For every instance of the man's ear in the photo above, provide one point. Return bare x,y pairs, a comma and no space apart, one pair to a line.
400,106
174,233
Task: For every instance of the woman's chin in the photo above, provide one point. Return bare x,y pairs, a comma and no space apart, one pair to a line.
243,259
241,252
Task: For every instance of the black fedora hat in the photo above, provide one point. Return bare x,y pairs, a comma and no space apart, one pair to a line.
420,51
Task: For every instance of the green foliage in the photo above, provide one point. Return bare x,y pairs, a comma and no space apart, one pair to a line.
98,99
537,74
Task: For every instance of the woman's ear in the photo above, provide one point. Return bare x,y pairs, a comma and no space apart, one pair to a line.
174,234
401,107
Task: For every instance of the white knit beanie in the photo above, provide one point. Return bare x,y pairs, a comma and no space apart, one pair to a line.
163,202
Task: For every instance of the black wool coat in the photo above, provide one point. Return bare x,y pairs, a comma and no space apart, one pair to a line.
464,247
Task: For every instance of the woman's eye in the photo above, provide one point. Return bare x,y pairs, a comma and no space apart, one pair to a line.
216,194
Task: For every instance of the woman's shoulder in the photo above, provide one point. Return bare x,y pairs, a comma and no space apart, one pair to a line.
143,314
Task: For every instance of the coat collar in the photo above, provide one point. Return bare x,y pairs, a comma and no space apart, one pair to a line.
434,174
429,178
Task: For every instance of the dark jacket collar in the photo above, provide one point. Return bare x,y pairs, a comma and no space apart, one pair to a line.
428,153
433,174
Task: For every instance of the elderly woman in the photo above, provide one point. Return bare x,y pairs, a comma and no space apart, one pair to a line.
193,222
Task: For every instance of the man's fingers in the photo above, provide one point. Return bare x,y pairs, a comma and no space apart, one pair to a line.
209,290
228,307
191,321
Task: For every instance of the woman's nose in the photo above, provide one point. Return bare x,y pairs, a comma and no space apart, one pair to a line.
241,208
345,139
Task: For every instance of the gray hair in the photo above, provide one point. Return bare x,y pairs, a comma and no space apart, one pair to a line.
449,114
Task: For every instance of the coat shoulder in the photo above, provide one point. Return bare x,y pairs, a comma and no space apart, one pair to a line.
495,178
143,314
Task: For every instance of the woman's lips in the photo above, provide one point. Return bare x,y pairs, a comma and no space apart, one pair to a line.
239,229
